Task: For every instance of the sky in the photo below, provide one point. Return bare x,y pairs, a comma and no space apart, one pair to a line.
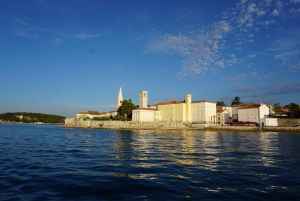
64,57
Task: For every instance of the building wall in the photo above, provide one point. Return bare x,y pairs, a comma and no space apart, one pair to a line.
271,122
143,115
81,116
222,117
250,114
204,112
257,115
227,108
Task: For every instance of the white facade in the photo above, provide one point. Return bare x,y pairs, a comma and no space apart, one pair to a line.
234,110
254,113
89,114
227,108
146,115
204,112
222,116
271,122
175,111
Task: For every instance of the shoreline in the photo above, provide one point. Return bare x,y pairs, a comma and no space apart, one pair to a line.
215,128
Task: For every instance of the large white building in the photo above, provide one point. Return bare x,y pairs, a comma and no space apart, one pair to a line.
254,113
144,113
175,111
204,112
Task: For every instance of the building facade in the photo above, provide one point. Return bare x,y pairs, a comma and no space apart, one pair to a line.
222,116
254,113
175,111
204,112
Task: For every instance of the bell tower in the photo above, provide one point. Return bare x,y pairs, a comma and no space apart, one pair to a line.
143,99
119,99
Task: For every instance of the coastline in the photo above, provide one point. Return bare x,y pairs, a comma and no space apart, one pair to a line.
214,128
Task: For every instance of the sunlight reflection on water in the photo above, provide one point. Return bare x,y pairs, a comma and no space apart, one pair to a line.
43,160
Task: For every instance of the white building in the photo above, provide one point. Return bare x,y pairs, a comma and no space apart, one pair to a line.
254,113
204,112
89,114
227,108
234,110
145,113
175,111
222,116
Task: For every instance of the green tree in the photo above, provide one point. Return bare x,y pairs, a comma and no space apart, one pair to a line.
105,118
236,101
125,109
294,111
276,107
221,103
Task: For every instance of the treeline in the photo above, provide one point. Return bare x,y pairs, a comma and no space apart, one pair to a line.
27,117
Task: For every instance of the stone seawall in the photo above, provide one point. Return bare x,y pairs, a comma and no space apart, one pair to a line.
288,122
73,122
128,125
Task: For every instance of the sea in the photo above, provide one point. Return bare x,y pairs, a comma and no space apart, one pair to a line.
46,162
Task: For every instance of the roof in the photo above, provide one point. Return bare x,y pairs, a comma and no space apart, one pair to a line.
202,101
145,109
221,111
170,102
239,105
90,112
250,106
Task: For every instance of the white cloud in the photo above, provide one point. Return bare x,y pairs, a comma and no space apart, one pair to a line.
220,64
275,12
252,8
201,47
260,13
86,36
251,56
286,50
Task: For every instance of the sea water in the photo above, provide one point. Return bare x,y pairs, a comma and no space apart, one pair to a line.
45,162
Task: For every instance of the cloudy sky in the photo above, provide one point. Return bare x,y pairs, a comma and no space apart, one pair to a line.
63,57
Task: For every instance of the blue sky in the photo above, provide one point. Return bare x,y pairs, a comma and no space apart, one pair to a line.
63,57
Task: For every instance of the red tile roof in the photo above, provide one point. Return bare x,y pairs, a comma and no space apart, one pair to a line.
202,101
170,102
238,105
250,106
145,109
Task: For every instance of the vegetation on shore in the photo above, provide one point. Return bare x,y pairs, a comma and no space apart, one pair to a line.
28,117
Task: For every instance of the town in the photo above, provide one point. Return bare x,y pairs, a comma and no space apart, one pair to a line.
202,113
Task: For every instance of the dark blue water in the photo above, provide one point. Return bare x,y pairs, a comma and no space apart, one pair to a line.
44,162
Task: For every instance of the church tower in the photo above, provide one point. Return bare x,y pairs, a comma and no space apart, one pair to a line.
143,99
119,99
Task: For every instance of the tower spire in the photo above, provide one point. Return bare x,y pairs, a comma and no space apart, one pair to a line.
119,99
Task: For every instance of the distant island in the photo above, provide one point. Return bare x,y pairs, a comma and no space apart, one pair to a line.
28,117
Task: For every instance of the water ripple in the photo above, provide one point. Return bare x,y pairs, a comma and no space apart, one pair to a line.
43,162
